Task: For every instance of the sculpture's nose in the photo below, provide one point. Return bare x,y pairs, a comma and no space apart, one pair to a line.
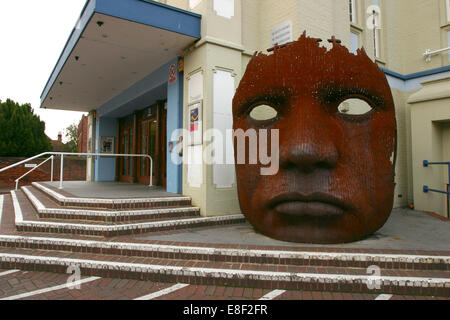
311,143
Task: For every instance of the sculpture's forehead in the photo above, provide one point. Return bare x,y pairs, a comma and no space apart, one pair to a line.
304,65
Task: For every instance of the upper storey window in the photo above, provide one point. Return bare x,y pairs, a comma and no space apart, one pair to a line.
352,5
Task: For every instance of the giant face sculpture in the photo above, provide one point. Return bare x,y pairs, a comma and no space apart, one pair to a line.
337,131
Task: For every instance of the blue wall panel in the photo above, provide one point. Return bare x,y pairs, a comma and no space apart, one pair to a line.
174,122
105,167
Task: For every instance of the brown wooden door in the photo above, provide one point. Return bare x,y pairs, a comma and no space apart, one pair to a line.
152,141
147,145
126,147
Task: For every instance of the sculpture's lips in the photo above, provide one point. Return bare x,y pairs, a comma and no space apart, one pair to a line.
315,205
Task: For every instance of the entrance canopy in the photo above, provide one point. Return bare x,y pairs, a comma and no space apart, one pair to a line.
114,45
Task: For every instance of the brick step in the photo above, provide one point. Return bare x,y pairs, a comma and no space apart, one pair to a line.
231,274
26,221
232,255
112,204
46,210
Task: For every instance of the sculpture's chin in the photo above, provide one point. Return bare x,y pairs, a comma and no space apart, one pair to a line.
317,229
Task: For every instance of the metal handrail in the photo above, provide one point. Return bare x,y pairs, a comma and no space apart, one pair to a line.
428,53
51,171
62,154
426,164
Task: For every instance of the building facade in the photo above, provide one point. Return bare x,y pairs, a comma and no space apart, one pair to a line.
143,69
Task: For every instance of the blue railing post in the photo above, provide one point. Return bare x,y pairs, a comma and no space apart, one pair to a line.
426,164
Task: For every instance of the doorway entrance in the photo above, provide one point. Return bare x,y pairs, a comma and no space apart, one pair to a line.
145,133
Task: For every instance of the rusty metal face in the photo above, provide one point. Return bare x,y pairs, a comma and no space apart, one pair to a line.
335,183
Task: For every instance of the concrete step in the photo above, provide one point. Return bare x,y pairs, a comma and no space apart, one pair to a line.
232,255
247,275
26,220
112,204
47,209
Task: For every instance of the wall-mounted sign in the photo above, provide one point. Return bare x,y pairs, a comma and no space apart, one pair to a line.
151,112
282,33
195,126
107,145
181,65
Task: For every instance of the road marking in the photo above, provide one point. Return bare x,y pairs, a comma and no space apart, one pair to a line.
55,288
273,294
163,292
8,272
384,297
1,208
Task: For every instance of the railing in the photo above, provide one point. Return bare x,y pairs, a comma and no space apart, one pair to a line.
427,189
51,171
62,154
428,53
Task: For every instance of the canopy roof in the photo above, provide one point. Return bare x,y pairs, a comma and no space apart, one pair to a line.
115,44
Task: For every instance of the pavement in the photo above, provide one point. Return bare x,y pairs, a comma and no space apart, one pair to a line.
32,285
110,190
405,230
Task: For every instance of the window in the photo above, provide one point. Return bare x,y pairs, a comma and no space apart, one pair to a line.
447,4
194,3
448,43
354,42
352,5
377,33
376,40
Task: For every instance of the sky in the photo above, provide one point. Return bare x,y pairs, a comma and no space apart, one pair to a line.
33,34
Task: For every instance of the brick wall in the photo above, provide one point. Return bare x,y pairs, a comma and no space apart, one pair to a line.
82,135
74,170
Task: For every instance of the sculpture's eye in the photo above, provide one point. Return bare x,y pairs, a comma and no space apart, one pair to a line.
354,107
263,112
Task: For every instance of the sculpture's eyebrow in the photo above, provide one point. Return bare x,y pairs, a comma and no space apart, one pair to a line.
333,93
275,96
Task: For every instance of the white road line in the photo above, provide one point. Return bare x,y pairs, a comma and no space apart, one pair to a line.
384,297
62,286
8,272
273,294
163,292
1,208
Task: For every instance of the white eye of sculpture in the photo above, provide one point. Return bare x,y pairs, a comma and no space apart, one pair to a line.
354,107
263,112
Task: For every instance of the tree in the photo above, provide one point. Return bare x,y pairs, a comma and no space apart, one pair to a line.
72,135
22,133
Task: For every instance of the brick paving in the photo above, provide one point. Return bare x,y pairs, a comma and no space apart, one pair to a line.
125,289
125,283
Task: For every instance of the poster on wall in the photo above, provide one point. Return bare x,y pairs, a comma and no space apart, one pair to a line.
172,73
107,145
195,126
